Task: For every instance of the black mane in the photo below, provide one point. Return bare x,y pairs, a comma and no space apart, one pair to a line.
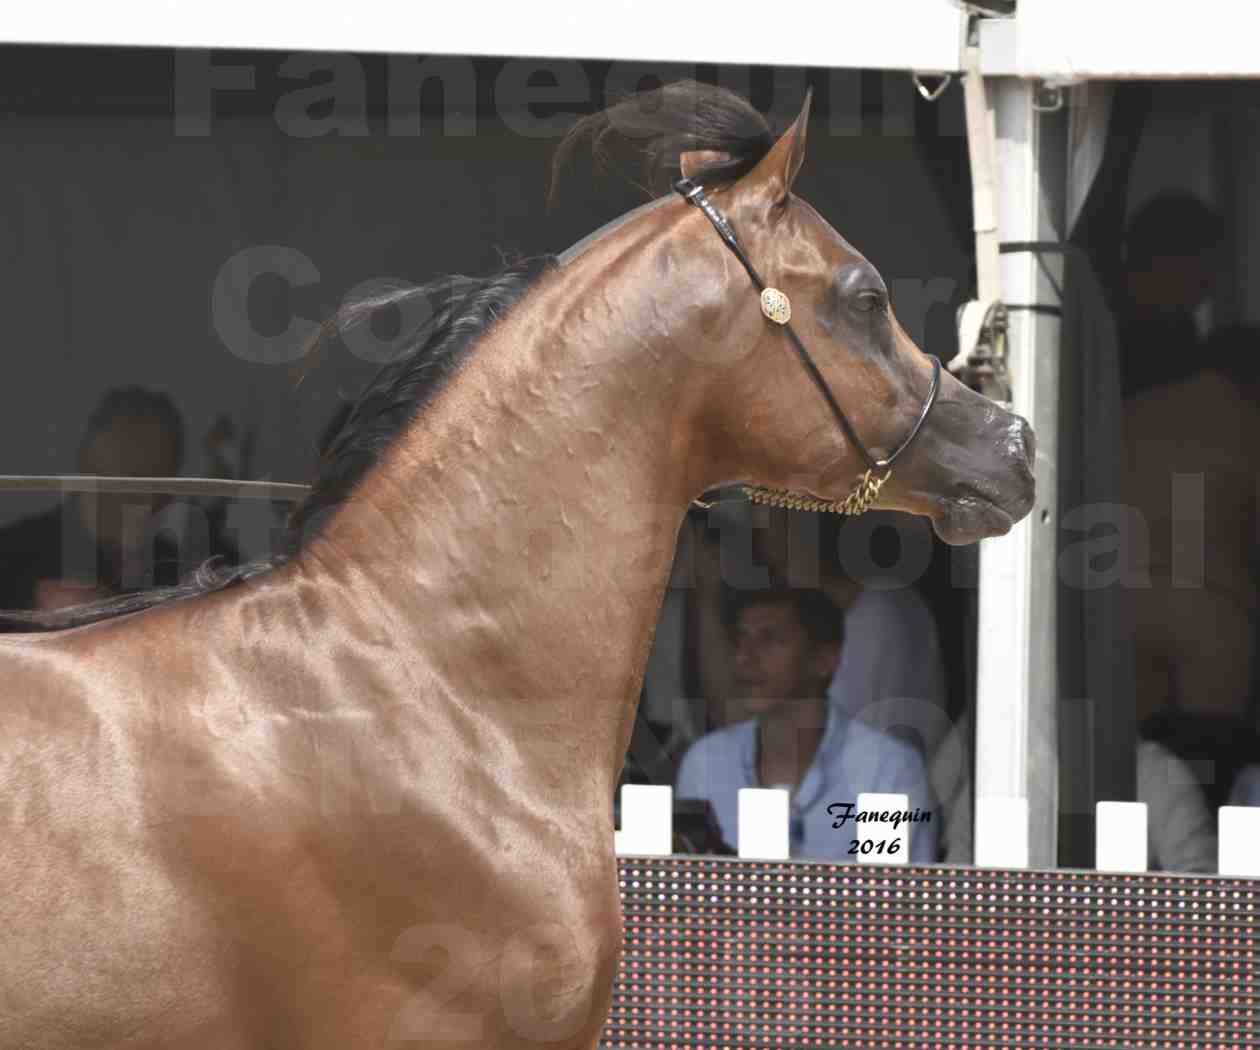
659,125
458,311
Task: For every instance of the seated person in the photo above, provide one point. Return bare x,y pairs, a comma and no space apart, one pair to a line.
1216,749
1181,830
93,546
1190,427
787,644
891,672
893,663
1194,595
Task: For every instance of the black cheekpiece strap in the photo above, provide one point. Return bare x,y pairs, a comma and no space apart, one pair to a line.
692,192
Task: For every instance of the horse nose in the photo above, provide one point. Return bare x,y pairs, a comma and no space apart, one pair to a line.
1022,448
1016,440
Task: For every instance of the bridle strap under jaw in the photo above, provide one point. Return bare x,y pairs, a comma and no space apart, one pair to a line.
878,470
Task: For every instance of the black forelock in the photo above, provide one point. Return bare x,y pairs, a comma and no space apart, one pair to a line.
661,125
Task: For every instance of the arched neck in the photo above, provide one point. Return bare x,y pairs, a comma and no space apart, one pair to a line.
520,533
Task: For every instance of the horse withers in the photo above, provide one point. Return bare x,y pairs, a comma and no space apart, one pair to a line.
360,798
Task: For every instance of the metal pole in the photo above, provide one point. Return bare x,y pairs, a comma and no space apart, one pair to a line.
227,488
1016,682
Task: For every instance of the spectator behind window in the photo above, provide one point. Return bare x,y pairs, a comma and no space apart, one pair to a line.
94,545
787,643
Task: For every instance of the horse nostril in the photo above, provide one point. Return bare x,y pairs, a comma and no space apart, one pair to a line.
1024,439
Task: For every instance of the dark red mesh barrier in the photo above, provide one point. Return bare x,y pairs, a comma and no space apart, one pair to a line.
738,954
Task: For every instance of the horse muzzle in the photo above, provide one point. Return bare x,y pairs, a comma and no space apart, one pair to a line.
988,502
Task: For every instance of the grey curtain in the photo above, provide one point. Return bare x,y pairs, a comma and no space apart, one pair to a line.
1097,718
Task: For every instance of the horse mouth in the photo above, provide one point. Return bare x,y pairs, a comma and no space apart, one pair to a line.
971,517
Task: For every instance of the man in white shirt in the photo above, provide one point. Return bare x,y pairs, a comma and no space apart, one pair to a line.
787,644
1181,830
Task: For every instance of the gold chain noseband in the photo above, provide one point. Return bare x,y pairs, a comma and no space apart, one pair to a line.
859,501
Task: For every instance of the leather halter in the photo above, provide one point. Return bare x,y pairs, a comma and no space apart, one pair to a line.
878,471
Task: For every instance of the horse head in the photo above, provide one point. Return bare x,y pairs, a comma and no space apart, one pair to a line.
875,401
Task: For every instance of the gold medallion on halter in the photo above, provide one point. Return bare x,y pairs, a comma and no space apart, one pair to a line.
776,306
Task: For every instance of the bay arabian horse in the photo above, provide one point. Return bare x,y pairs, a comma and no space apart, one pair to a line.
360,797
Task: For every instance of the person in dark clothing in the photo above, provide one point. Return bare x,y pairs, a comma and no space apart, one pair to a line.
95,545
1188,413
1172,254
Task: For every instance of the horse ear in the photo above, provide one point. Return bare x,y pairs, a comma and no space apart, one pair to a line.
777,170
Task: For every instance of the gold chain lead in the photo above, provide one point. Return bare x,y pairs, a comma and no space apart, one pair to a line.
859,501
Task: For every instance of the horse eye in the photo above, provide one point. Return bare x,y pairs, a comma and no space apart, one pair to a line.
870,299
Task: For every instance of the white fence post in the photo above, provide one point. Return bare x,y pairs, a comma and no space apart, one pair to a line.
880,831
647,821
1238,841
764,817
1001,832
1120,836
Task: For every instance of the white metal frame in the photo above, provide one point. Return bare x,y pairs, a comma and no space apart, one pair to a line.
913,34
1016,682
1069,40
1048,39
